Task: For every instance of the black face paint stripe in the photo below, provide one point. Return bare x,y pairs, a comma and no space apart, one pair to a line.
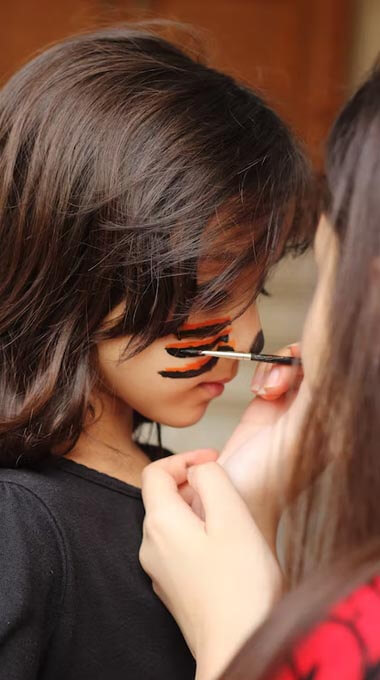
182,352
202,331
208,331
226,348
192,373
258,343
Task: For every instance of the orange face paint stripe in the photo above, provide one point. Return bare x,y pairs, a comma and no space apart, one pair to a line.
196,343
202,324
189,367
198,364
218,335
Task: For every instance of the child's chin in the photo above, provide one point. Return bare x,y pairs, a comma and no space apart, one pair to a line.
187,418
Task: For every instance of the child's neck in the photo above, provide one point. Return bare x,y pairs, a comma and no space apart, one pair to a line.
106,443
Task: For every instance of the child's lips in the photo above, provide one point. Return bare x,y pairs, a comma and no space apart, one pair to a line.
215,388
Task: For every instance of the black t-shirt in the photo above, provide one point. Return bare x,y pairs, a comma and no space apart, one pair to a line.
75,603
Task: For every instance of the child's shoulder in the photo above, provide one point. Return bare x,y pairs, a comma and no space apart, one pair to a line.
33,558
26,491
27,523
23,483
29,508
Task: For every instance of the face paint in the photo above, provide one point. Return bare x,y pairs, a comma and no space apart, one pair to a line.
192,370
179,349
215,334
206,329
258,344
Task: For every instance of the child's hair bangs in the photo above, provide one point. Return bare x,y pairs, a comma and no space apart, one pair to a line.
204,260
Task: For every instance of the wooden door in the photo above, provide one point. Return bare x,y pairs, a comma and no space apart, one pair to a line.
294,51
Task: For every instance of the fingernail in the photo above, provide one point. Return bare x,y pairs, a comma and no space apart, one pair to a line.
257,381
272,380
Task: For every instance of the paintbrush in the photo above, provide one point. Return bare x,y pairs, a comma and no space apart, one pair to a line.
247,356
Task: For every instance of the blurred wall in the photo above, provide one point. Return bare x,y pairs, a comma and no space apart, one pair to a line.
294,51
366,38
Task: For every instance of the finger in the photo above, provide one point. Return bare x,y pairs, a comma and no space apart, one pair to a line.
186,492
263,369
259,376
222,506
277,380
190,496
160,480
197,507
295,349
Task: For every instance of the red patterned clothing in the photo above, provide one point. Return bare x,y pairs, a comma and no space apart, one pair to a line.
345,646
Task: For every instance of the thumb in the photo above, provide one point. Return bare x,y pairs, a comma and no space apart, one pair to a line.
223,508
272,382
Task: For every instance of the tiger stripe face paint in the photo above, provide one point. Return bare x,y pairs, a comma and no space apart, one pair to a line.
179,350
215,334
204,329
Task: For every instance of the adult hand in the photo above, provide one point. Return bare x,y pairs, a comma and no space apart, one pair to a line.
216,574
274,388
258,457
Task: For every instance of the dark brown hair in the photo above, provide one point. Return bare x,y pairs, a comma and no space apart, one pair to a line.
325,560
117,150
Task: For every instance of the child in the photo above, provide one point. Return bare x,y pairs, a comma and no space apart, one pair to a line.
144,197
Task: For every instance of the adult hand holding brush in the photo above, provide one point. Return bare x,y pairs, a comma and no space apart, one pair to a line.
258,456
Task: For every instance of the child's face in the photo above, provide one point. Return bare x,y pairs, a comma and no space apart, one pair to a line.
176,390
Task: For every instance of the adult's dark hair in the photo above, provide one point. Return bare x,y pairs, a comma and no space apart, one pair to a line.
334,541
117,153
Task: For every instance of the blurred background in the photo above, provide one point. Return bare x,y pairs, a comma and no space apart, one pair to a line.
305,56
